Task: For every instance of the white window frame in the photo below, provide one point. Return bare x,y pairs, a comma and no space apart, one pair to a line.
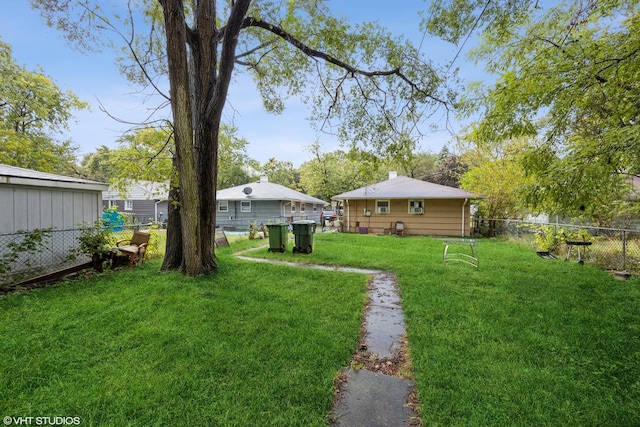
223,206
303,207
245,206
416,207
128,205
293,207
383,207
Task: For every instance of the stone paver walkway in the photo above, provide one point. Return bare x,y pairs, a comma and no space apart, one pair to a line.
367,395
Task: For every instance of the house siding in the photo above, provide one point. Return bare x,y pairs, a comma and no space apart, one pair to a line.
144,195
441,217
143,210
264,212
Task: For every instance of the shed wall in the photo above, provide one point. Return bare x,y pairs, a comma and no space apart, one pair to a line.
28,208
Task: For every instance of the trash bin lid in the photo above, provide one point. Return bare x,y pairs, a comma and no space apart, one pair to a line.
304,221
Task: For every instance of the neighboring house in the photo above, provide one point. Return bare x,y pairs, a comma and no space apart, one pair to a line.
145,201
264,202
424,208
32,200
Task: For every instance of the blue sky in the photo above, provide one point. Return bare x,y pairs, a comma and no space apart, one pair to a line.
95,79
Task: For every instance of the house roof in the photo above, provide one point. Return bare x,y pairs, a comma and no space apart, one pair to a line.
20,176
138,190
265,190
402,187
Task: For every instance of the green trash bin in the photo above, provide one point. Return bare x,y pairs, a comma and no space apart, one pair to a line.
278,237
303,232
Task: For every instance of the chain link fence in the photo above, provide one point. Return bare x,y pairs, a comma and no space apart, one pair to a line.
28,254
610,248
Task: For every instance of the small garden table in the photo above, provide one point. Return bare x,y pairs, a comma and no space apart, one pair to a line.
578,244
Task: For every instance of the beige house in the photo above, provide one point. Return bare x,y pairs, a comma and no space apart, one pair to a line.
424,208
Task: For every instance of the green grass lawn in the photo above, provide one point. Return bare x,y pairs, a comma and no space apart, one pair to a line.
522,341
254,345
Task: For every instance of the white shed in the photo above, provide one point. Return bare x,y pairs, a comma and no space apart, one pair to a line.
32,200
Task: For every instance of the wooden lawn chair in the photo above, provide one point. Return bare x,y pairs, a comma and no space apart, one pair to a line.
135,247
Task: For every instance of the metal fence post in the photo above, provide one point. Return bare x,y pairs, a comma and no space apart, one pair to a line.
624,249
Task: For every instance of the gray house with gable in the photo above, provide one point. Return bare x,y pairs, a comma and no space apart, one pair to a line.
143,201
264,202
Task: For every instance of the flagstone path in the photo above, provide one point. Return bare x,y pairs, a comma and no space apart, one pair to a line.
374,391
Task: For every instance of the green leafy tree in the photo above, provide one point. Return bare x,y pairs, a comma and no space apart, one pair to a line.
361,81
449,171
568,186
497,175
281,172
33,110
416,165
147,153
328,174
99,165
568,75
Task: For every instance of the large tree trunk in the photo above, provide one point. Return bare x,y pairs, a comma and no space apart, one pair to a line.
198,89
173,253
203,49
177,57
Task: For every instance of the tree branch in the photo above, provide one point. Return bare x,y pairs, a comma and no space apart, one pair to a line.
313,53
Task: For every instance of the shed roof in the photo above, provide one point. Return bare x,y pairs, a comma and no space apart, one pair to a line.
403,187
265,190
20,176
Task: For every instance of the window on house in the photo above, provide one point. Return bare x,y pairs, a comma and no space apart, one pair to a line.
128,205
382,206
293,206
416,207
303,207
315,208
223,206
245,206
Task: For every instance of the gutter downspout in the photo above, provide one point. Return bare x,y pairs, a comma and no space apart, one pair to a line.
155,207
348,216
463,206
